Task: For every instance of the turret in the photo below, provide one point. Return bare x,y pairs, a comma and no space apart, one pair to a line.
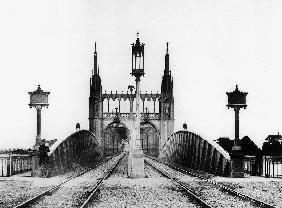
95,80
167,102
167,80
95,99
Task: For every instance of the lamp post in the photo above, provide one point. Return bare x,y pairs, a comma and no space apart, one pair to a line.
237,100
38,100
136,159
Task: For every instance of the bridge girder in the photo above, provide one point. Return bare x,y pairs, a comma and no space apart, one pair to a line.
79,149
192,151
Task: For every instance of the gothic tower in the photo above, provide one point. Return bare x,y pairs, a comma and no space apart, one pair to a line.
95,101
166,104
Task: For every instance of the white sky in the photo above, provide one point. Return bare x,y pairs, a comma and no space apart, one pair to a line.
214,45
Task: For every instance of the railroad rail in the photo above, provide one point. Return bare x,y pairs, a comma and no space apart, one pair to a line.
190,192
221,186
36,198
99,183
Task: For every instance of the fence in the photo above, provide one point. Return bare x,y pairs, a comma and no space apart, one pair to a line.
272,166
11,164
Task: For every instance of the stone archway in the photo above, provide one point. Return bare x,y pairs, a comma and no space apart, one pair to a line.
115,139
150,137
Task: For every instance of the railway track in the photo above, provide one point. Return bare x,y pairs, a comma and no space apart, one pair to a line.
107,174
36,199
197,200
194,188
154,190
210,184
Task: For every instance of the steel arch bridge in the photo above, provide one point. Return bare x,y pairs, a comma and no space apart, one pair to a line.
192,151
183,148
79,149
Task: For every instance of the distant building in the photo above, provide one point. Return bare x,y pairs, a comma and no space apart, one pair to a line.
272,156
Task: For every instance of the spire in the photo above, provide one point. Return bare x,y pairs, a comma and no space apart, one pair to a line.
166,60
166,47
95,48
95,60
167,81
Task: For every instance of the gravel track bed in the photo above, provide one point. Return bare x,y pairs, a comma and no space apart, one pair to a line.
74,192
13,193
18,188
264,189
144,192
154,191
209,192
121,171
122,168
151,172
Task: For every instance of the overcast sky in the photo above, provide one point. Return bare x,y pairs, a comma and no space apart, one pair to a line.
214,45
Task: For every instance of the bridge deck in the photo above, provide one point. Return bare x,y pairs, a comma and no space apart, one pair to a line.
154,191
120,191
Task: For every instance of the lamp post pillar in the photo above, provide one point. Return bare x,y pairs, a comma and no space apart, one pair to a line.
38,100
136,156
236,140
38,134
237,100
137,141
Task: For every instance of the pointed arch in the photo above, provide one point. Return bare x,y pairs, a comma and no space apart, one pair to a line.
150,137
116,138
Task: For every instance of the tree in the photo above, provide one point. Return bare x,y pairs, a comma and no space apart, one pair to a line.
225,143
249,147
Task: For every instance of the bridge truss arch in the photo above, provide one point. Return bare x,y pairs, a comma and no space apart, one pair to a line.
192,151
116,138
150,138
79,149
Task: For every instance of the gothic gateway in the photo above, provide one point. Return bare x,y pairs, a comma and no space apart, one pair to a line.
113,124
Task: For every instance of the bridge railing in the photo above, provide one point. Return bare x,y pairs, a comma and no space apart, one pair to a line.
11,164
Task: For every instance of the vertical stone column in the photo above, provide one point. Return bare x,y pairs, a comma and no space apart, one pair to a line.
10,165
237,100
38,133
237,158
131,87
108,105
136,157
236,140
131,106
137,127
